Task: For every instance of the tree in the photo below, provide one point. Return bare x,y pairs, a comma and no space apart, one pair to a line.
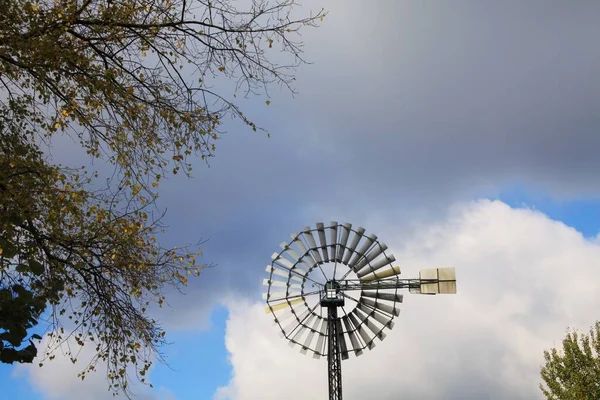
132,81
574,373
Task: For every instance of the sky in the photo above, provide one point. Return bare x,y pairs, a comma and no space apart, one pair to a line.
463,134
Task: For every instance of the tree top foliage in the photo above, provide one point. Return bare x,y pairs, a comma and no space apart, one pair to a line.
133,73
131,82
573,372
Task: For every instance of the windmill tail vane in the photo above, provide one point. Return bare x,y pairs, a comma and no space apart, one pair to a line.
334,297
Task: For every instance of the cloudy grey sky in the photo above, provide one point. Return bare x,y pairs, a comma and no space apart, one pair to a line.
410,108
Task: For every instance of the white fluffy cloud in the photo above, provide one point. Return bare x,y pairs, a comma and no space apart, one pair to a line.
523,279
57,379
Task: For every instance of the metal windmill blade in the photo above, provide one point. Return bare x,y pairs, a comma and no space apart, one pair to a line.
340,270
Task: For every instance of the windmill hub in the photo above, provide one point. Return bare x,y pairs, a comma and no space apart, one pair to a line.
332,295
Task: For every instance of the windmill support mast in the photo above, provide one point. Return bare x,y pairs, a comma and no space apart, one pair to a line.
332,299
334,359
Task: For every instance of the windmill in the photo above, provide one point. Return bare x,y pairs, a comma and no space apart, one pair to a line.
333,290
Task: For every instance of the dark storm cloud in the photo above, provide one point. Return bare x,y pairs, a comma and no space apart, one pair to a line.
437,95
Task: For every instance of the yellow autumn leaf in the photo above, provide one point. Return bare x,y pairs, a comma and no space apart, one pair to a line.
136,189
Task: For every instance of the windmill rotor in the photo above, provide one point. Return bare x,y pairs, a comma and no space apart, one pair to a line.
349,274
